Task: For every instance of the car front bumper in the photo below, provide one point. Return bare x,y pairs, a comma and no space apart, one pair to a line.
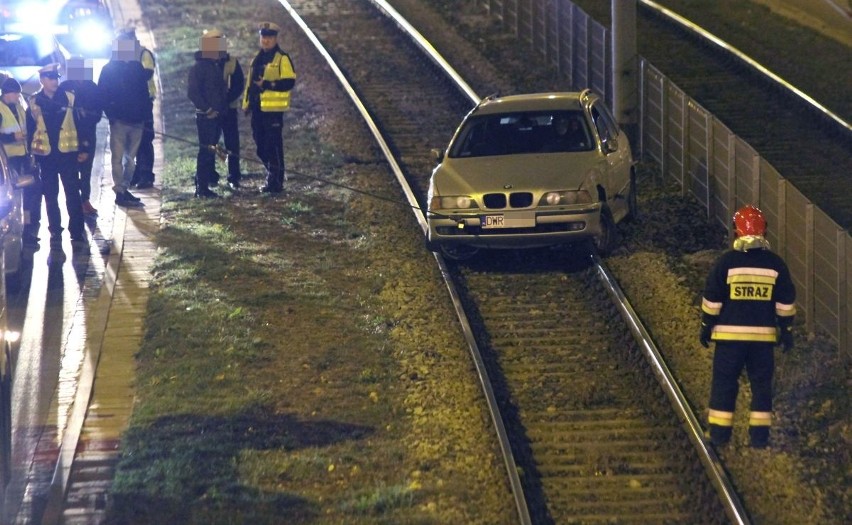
515,228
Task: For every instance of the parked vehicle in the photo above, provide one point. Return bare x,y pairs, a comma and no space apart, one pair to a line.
11,222
22,55
531,170
11,226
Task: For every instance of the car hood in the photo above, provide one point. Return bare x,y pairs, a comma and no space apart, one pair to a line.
533,172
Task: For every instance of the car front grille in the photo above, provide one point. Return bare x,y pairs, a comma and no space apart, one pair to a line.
497,201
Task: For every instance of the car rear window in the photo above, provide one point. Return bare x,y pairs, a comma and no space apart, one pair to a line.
523,133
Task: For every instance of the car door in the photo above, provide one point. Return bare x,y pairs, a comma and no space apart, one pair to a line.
616,150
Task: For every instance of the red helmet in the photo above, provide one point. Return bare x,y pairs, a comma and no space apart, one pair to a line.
749,220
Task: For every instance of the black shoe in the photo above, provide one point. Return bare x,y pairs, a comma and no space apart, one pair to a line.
206,194
270,189
121,199
129,196
145,185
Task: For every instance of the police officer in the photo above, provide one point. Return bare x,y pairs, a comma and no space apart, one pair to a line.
267,97
143,176
235,81
13,137
52,135
748,307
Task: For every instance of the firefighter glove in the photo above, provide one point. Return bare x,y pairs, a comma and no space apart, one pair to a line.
704,336
786,339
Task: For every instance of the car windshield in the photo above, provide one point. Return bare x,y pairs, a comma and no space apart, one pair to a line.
520,133
23,50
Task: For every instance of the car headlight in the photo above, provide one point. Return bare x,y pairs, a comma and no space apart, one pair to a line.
453,202
559,198
92,35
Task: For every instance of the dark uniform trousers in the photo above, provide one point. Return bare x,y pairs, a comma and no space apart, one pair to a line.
267,131
231,136
30,198
145,155
55,167
208,136
729,359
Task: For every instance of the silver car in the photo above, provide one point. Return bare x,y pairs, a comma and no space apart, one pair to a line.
11,221
531,170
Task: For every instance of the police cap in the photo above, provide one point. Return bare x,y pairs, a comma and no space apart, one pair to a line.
50,71
268,29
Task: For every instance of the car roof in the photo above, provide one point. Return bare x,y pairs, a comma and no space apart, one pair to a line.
535,102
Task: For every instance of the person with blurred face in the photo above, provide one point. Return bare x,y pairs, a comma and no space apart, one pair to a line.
13,137
127,103
88,108
215,86
266,98
52,135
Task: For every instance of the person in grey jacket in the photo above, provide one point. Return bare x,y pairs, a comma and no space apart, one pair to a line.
210,87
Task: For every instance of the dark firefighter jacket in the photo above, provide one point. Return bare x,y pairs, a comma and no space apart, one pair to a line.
748,295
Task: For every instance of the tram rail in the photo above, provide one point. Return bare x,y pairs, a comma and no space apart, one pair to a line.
516,325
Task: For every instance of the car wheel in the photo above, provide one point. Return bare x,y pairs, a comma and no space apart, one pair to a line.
605,242
459,252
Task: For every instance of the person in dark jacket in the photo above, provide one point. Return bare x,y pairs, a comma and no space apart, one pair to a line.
124,87
207,90
229,122
89,107
748,307
143,176
52,135
267,97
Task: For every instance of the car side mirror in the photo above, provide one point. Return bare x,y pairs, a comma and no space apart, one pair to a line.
610,145
437,154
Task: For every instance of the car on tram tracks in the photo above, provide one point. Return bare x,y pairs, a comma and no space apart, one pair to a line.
531,170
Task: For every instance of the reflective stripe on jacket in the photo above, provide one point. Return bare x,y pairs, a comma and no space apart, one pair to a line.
11,125
748,295
67,133
279,68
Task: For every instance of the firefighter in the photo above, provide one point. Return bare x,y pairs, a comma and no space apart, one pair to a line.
52,135
748,307
267,97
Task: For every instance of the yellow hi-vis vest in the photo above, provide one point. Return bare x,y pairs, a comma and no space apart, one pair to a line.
67,133
279,68
146,57
9,124
228,70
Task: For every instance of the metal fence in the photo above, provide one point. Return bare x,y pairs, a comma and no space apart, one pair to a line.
699,152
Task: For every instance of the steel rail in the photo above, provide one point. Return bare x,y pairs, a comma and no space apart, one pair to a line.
503,438
728,497
747,60
712,465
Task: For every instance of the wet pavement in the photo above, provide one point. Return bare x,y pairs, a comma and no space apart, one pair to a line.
80,315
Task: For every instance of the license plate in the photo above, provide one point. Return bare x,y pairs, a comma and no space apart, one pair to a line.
501,221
